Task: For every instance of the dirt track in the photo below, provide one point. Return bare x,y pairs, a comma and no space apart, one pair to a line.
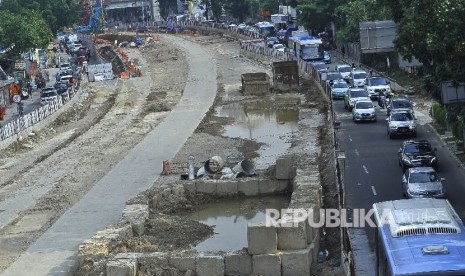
61,162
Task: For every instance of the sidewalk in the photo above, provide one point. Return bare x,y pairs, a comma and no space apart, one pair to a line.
54,252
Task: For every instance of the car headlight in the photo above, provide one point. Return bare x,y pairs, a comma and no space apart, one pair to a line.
406,161
393,127
433,160
412,126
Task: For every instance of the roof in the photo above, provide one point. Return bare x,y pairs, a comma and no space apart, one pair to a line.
423,235
421,169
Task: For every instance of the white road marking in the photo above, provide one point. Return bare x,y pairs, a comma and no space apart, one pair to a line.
359,184
356,152
365,169
374,190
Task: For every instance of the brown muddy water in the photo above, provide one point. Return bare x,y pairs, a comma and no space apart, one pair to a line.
270,122
230,219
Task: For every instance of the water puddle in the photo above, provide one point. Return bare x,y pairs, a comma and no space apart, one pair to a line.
270,122
230,219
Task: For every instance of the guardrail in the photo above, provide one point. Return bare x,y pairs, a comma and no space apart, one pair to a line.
26,121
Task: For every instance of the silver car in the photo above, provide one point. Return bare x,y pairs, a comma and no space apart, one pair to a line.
401,123
421,182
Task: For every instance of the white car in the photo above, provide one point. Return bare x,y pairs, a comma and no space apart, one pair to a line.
354,95
375,85
345,71
279,47
358,78
364,110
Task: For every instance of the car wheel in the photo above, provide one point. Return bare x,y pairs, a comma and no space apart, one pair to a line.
391,136
345,106
414,135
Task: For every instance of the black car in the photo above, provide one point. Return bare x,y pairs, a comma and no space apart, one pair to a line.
61,87
417,153
399,104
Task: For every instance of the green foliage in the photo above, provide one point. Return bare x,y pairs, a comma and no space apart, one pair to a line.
239,9
457,128
56,13
25,35
438,114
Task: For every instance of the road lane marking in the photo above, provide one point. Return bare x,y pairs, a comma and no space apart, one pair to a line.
365,169
359,184
356,152
374,190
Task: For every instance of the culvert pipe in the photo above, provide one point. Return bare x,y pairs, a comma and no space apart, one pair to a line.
245,166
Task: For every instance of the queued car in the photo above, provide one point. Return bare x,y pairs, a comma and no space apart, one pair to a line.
339,90
272,40
401,123
326,57
344,70
319,66
358,78
422,182
354,95
363,110
399,104
417,153
61,87
333,77
279,47
375,85
48,95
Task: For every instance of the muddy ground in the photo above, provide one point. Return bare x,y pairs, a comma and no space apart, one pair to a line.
72,153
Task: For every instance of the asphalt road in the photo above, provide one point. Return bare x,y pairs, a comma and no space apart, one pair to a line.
372,172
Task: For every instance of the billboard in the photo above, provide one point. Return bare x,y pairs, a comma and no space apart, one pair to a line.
377,36
451,93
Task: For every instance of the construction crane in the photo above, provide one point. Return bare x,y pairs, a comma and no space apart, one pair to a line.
95,20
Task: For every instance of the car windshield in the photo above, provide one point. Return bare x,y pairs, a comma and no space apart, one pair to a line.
417,148
49,94
341,85
378,81
320,66
401,117
401,104
333,76
360,76
423,177
345,69
358,93
363,105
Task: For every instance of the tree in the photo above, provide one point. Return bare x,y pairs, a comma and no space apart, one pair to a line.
57,13
238,9
23,35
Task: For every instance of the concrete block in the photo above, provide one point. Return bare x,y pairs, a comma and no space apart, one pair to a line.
248,186
238,265
189,187
261,239
292,237
266,264
136,215
284,167
226,188
150,262
209,266
205,187
183,263
124,267
296,262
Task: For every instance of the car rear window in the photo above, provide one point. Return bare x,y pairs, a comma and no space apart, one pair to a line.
363,105
417,148
358,93
49,94
401,104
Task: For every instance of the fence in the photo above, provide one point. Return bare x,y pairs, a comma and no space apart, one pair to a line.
26,121
105,69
